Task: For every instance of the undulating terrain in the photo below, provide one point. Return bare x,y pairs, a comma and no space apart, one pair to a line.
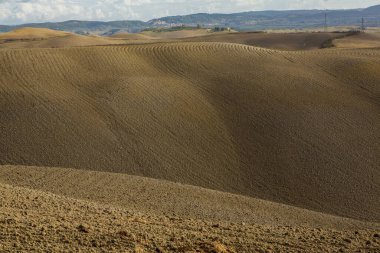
163,35
190,145
363,40
281,41
45,38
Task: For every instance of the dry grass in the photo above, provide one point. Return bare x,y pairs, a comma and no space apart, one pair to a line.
362,40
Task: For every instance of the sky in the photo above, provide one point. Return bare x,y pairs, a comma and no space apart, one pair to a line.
28,11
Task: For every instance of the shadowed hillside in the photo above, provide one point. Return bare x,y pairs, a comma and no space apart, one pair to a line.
298,128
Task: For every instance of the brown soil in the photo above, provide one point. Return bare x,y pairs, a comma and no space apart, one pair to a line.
295,128
38,221
281,41
188,146
46,38
157,197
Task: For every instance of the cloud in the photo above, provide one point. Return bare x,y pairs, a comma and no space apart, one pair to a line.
22,11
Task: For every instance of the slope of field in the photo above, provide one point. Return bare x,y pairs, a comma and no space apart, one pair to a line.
156,197
298,128
45,38
37,221
164,35
362,40
132,36
281,41
32,33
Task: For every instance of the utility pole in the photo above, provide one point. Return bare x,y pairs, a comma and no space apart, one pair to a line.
363,26
326,21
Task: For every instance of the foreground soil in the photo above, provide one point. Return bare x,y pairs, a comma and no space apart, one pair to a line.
37,221
158,197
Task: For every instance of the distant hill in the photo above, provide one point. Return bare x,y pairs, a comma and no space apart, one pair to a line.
83,27
374,9
258,20
254,20
28,37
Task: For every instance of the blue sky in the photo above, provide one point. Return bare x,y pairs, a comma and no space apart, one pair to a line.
25,11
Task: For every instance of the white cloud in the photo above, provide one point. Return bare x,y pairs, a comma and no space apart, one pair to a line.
22,11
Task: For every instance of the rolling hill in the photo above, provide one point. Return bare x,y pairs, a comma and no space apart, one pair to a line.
28,33
297,128
363,40
46,38
83,27
281,41
178,141
162,35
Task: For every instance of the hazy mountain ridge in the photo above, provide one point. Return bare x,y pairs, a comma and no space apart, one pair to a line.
254,20
279,19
